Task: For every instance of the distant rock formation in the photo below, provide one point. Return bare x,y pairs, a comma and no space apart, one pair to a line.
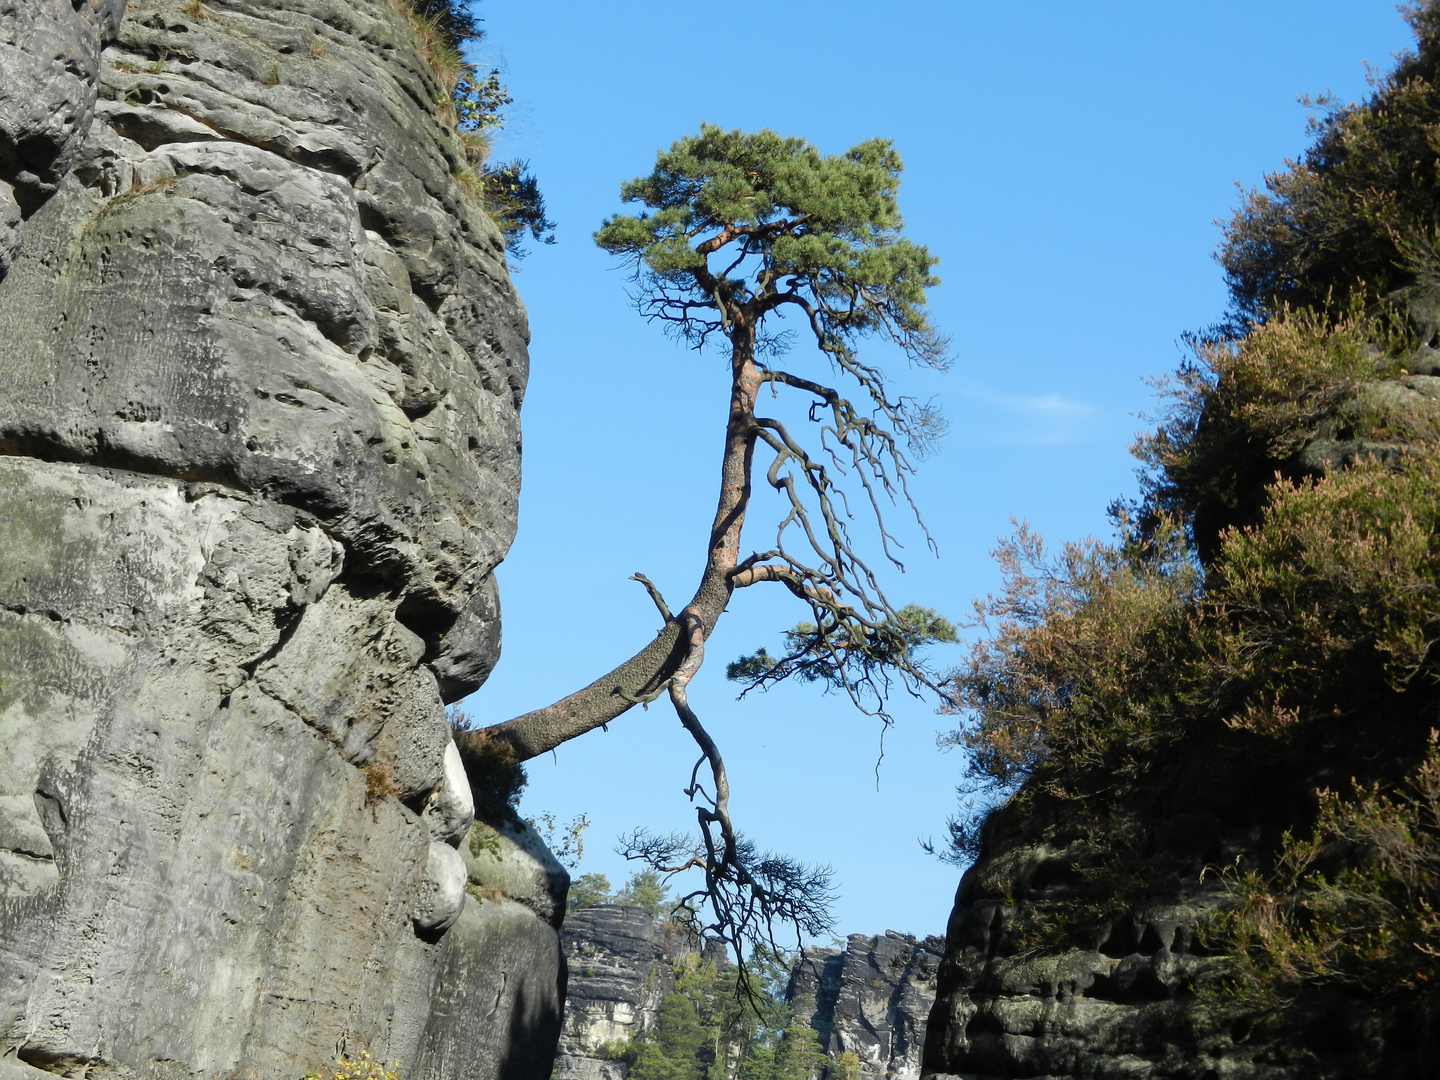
620,961
871,998
259,454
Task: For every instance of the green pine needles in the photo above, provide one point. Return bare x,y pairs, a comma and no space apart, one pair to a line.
798,229
739,230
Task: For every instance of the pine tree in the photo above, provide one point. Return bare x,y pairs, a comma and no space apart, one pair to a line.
741,232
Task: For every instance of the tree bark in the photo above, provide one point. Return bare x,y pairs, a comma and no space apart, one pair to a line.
646,673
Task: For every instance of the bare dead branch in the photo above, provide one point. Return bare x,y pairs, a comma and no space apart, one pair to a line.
654,592
748,896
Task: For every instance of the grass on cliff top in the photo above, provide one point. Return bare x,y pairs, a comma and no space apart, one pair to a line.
473,103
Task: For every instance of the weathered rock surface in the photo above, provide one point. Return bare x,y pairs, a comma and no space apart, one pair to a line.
497,1005
259,454
1120,1005
873,999
50,59
621,967
1077,945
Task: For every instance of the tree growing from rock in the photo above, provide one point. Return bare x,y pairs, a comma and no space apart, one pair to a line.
588,890
645,889
750,242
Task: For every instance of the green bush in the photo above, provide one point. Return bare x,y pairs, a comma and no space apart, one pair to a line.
496,776
1354,217
1100,656
1078,657
707,1030
1242,409
1339,587
1371,921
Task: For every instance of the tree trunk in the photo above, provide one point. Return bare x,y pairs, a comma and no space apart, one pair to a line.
646,672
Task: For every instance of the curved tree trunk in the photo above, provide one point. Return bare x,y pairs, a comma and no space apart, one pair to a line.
646,673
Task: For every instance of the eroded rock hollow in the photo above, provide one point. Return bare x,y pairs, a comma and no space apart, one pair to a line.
259,455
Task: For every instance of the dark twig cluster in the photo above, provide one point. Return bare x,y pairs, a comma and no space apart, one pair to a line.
747,893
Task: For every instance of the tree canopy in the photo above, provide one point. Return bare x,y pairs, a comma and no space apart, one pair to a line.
790,227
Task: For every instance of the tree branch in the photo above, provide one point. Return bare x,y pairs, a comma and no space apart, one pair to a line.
654,595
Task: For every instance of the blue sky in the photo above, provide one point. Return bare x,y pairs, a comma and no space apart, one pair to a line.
1067,163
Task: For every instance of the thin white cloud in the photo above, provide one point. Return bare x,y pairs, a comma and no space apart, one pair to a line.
1024,419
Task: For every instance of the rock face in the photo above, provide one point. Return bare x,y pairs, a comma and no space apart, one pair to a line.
50,57
497,1000
620,960
1063,960
259,454
1122,1005
871,999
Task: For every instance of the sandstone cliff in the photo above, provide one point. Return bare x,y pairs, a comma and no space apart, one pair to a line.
620,961
1073,952
259,454
872,999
